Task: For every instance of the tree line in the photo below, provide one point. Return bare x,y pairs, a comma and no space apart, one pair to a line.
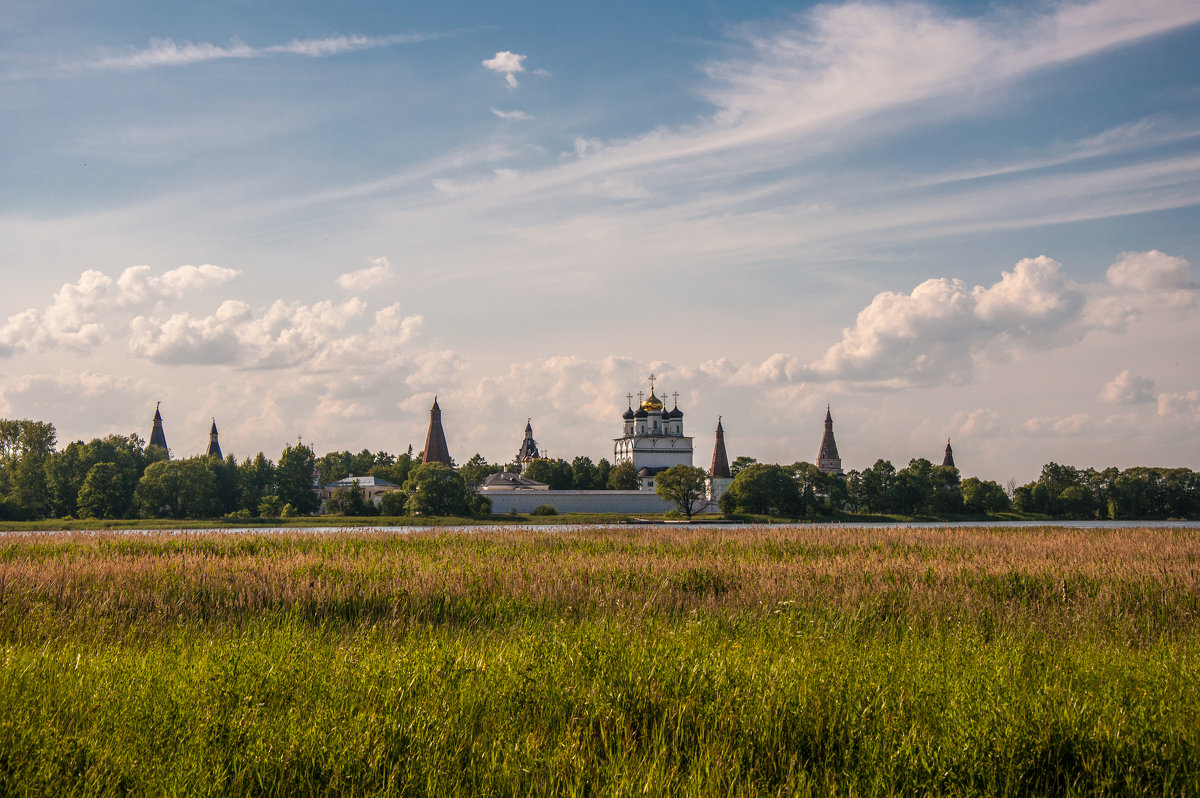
119,476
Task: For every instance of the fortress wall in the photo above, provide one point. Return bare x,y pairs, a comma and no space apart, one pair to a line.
578,501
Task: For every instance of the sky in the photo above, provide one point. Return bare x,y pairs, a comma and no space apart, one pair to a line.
966,221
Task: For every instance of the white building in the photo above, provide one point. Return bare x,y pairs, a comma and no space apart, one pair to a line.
652,438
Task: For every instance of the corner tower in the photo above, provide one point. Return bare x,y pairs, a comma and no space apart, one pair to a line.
948,459
719,475
214,448
529,449
828,461
157,436
436,450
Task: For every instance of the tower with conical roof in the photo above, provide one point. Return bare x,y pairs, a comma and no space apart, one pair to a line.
157,436
529,449
828,461
948,460
214,448
436,450
719,475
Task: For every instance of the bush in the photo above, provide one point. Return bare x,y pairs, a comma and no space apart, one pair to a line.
544,509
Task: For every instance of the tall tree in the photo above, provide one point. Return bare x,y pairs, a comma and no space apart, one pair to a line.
684,485
294,478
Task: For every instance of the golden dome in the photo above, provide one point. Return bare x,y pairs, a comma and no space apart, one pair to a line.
652,404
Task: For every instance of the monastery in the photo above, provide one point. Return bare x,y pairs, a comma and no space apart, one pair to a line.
652,439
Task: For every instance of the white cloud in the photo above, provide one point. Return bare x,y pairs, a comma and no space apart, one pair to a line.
507,64
82,313
379,272
1057,425
516,114
937,332
1180,407
167,52
281,335
1149,271
1128,389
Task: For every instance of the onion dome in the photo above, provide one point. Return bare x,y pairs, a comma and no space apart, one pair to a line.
653,404
674,412
628,414
641,411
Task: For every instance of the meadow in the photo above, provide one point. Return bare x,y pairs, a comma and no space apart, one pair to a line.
763,660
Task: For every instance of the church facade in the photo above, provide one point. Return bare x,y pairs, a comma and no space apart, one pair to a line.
652,438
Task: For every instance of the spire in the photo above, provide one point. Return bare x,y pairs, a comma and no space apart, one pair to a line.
948,460
720,463
529,450
157,436
436,450
214,448
828,460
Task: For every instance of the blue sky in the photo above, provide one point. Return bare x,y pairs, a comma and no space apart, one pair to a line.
974,221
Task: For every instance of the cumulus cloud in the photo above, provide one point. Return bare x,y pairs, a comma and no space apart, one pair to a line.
507,64
379,272
1128,389
1150,271
1057,425
169,53
81,314
1141,283
1180,407
936,332
284,334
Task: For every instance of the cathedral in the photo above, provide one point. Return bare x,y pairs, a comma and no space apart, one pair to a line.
652,438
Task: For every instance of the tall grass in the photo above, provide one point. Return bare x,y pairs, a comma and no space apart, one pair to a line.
732,661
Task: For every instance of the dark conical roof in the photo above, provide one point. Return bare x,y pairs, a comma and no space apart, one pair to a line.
157,436
529,449
948,460
720,463
828,459
214,448
436,450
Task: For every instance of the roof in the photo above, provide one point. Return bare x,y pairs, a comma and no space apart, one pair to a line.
720,461
157,436
436,450
507,480
363,482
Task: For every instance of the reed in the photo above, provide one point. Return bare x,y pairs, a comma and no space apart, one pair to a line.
602,661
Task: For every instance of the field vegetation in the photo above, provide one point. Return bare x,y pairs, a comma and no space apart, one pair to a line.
649,660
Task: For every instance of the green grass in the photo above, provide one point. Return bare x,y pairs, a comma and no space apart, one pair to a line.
596,662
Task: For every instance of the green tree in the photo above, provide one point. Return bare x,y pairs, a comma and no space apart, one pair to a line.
349,501
255,480
102,494
437,489
179,489
583,473
623,476
876,486
476,470
392,503
294,479
684,485
739,463
981,496
603,469
26,450
555,473
763,490
269,506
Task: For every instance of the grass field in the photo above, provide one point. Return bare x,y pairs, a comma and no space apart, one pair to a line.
647,660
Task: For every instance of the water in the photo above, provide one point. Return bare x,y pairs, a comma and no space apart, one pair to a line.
469,528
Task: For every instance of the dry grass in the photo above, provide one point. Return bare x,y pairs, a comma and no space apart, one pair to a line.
1145,581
